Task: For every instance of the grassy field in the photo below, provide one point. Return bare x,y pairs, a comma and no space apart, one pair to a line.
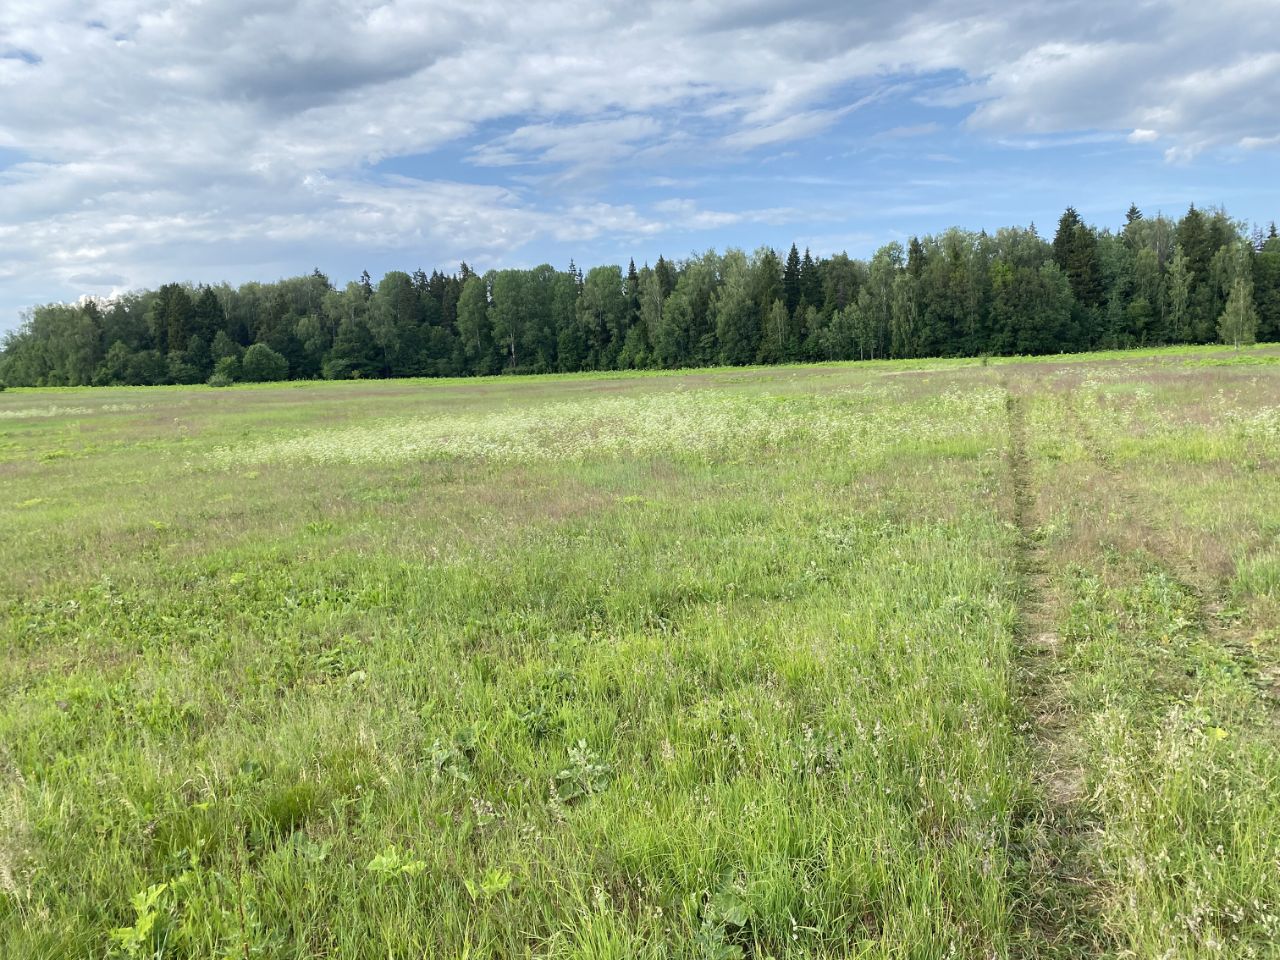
883,660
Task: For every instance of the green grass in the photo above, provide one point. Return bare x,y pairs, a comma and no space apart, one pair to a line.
725,663
1160,516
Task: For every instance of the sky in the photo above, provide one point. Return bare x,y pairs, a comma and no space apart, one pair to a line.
232,140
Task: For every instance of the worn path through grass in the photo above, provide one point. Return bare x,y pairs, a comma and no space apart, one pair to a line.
1156,522
1054,905
917,660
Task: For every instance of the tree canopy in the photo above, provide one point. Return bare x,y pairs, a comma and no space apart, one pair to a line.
1153,280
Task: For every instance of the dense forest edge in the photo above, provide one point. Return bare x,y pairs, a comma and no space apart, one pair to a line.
1155,281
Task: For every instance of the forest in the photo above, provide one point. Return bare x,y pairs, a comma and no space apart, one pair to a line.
1203,277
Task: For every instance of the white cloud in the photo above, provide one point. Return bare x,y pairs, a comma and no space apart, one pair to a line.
1258,143
1063,140
576,145
180,138
797,126
908,132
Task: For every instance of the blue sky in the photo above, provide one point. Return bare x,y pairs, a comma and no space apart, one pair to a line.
142,142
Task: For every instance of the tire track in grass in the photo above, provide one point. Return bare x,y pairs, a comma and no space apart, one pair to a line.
1053,916
1183,820
1216,619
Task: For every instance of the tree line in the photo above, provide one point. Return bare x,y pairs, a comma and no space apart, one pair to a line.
1155,280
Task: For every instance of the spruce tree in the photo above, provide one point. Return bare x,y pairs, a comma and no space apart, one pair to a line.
632,286
810,280
208,320
176,313
791,280
1075,251
667,275
1266,290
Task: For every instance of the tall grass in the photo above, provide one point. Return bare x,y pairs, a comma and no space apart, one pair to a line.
720,664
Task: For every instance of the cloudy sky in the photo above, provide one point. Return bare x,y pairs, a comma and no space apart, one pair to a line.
145,141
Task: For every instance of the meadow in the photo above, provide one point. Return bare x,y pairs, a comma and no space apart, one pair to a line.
880,660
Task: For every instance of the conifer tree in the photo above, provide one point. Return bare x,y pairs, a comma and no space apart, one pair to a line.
1075,250
791,290
1178,283
208,319
810,280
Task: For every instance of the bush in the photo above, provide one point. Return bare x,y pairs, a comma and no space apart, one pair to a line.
261,364
220,380
181,371
224,346
3,386
228,368
146,367
337,368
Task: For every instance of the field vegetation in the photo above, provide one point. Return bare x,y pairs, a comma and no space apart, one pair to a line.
909,659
